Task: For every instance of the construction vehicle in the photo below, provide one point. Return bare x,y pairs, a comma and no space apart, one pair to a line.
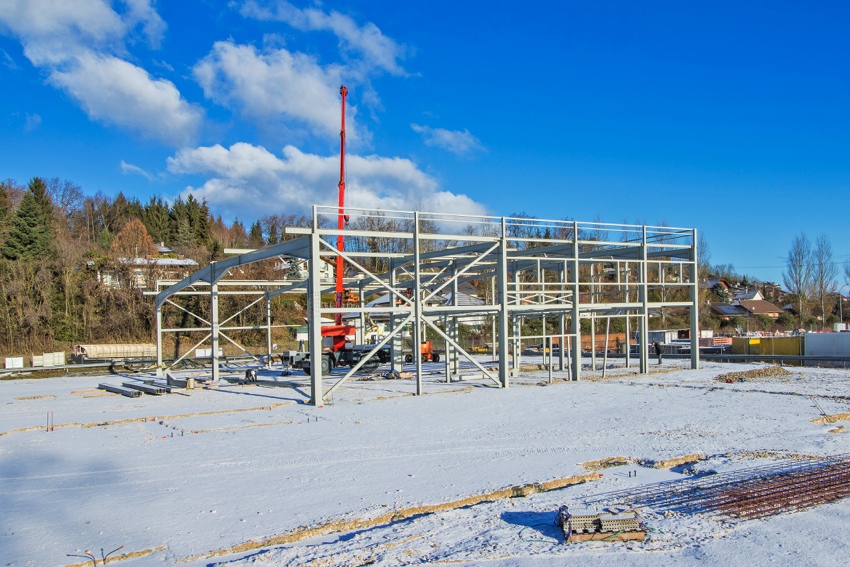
337,351
426,349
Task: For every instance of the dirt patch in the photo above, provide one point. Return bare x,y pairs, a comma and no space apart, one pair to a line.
122,557
607,463
756,374
832,418
306,532
670,463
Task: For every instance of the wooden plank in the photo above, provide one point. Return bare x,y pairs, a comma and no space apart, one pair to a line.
603,536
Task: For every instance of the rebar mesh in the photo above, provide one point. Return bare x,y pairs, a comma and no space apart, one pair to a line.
756,492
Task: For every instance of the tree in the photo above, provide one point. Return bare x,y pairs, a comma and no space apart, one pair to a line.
155,217
133,241
5,211
255,236
798,277
703,256
30,234
68,201
823,273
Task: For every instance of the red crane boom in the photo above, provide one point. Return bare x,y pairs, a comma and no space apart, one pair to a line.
340,240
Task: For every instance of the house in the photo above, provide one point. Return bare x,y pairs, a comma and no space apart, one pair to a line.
384,301
709,283
143,271
759,307
747,294
476,321
297,269
726,311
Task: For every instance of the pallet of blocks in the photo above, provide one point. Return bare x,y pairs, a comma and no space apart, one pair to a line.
623,526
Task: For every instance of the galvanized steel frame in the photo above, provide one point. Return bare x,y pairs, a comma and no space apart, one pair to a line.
538,268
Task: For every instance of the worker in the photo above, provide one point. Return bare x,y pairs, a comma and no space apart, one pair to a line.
657,351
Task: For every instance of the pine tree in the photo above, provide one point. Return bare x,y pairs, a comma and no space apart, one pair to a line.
155,217
30,234
255,236
5,211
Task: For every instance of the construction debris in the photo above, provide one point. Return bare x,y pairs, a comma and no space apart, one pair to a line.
755,374
119,390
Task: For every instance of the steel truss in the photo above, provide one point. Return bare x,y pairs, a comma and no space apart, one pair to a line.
533,268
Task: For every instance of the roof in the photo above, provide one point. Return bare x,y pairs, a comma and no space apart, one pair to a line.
727,310
463,299
178,262
709,283
759,306
752,294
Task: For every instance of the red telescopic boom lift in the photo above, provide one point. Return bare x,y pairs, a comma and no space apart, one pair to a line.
339,352
340,240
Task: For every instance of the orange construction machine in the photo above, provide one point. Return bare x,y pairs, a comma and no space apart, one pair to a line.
426,349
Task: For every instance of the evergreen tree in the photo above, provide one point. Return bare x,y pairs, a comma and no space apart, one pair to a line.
5,210
118,213
204,228
135,210
30,233
183,235
255,236
179,227
155,218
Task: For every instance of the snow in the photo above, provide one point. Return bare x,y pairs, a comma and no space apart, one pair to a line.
192,476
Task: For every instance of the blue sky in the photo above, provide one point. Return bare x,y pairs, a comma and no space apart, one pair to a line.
726,116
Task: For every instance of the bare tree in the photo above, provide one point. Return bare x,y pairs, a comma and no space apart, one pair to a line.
798,277
824,272
703,256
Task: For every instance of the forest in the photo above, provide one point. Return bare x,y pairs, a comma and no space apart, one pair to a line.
55,241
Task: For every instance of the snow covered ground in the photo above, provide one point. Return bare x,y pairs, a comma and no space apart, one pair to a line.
201,479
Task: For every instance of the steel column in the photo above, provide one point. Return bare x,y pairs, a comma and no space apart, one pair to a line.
314,322
694,281
502,275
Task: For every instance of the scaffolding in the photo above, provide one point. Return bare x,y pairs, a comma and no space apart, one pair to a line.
554,270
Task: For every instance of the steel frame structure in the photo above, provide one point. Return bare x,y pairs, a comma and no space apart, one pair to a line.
536,268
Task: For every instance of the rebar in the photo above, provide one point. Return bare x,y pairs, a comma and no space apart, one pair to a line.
752,493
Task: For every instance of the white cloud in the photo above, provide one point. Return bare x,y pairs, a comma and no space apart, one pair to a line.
142,12
8,61
275,84
68,21
114,91
135,169
33,121
376,49
80,43
250,181
458,142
